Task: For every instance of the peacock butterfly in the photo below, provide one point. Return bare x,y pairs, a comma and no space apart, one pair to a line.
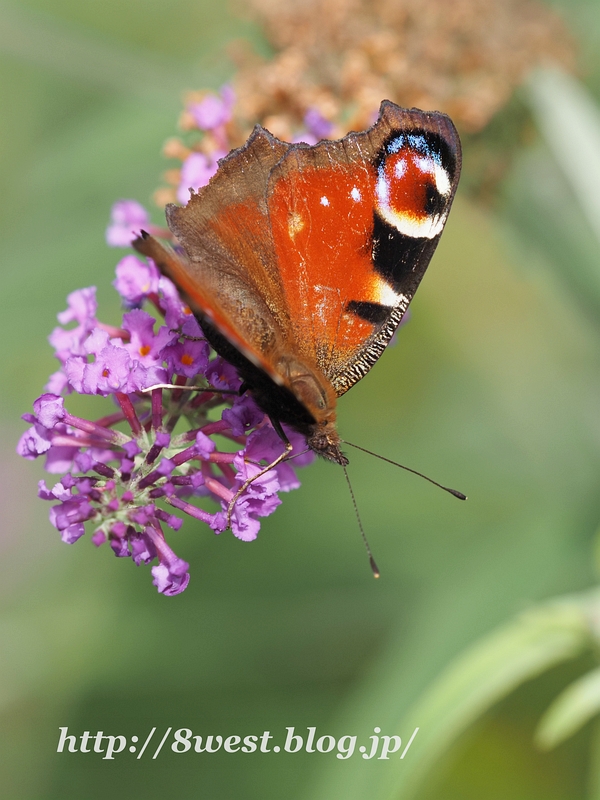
299,261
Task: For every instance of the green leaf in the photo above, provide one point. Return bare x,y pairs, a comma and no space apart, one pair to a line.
569,120
477,679
570,711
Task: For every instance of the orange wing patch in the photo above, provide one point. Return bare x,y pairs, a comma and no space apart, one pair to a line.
322,227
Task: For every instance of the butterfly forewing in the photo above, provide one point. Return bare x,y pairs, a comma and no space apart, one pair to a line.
354,224
300,261
230,274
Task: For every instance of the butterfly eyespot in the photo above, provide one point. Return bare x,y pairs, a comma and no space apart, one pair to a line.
413,187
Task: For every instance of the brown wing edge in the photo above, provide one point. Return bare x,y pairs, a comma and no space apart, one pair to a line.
354,145
234,182
261,151
173,267
225,233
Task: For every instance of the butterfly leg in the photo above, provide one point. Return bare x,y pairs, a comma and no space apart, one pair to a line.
288,449
185,388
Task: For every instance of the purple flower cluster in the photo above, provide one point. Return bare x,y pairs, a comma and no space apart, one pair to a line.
125,474
209,120
210,116
156,449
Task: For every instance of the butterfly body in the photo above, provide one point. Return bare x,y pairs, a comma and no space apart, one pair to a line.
306,401
299,261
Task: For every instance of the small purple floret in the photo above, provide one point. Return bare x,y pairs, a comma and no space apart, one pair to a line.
188,357
243,416
317,125
81,309
213,111
196,172
136,280
49,410
127,218
204,446
32,444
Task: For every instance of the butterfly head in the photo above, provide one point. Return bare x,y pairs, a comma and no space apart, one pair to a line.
325,441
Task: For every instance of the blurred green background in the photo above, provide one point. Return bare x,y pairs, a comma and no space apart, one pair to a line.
492,388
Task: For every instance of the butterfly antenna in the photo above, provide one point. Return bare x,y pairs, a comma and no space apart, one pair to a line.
301,453
374,566
454,492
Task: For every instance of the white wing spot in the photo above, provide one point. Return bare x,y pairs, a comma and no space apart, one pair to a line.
382,189
355,194
400,167
425,164
324,201
442,181
430,167
385,295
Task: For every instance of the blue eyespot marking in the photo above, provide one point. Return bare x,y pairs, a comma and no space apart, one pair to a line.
396,144
416,141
